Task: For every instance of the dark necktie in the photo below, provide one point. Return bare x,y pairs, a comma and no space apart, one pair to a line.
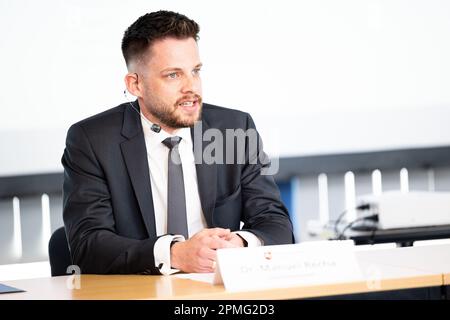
176,198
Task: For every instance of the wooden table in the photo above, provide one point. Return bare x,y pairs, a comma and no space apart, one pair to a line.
446,279
158,287
391,269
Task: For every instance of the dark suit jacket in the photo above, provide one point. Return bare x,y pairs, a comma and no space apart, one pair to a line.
108,206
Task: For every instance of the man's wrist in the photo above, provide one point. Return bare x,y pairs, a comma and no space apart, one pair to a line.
173,257
251,240
162,253
244,242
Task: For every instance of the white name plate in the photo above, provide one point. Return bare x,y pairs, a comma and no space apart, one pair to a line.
243,269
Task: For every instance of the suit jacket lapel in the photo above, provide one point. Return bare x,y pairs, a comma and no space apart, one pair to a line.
135,155
206,173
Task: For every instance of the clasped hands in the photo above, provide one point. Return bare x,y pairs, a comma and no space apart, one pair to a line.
198,253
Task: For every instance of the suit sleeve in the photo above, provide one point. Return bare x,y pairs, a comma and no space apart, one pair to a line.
264,213
89,220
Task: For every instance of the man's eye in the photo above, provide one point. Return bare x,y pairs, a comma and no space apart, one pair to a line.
196,71
172,75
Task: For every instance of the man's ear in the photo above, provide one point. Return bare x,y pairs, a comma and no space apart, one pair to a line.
132,84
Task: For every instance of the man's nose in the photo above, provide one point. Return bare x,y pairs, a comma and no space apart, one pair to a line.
191,84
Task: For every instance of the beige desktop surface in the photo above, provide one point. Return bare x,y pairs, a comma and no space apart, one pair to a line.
386,269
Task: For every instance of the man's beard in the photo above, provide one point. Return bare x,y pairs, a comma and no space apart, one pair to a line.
171,116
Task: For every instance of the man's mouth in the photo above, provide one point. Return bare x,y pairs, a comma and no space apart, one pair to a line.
189,105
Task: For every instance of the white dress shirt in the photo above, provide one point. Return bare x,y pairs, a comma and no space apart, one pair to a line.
157,154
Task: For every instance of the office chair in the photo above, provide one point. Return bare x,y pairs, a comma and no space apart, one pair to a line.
58,252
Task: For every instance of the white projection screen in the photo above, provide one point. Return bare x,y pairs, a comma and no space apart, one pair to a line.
318,77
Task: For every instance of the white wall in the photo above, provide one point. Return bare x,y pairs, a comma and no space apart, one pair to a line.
332,76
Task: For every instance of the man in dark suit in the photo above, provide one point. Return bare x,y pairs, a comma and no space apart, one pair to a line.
157,185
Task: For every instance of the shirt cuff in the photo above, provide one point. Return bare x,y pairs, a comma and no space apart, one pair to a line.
161,252
252,240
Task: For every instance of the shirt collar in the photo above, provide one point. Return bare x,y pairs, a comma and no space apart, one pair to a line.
154,139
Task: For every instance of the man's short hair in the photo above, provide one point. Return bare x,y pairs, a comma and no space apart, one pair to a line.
153,26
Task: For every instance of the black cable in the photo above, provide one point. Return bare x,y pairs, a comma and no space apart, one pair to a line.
338,220
349,225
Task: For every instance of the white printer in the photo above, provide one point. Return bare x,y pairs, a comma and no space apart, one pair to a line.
395,209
